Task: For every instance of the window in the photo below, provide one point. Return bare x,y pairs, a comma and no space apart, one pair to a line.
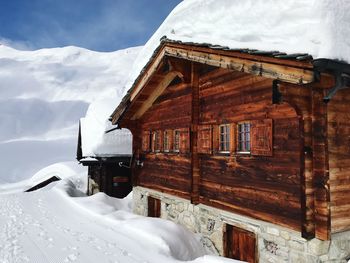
156,141
176,141
243,136
224,138
166,142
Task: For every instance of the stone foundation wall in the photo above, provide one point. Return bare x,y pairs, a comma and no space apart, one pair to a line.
275,243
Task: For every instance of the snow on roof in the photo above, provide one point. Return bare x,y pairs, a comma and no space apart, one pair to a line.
94,141
317,27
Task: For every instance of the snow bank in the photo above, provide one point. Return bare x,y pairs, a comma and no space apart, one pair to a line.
72,170
59,223
154,235
318,27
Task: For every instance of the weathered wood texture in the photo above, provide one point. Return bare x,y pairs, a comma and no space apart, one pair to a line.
169,172
320,164
263,187
240,244
339,159
194,134
154,206
300,99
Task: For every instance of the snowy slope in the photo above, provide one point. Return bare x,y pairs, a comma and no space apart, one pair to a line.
44,93
60,224
318,27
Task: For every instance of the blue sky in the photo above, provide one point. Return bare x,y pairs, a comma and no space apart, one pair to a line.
101,25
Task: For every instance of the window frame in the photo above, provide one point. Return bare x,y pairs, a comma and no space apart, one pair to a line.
244,132
166,141
157,141
176,143
227,135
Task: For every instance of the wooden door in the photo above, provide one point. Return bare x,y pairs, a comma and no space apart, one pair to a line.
153,207
240,244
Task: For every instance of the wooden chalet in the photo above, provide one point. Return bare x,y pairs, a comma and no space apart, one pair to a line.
249,148
108,172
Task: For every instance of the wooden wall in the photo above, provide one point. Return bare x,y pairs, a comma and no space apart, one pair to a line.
169,172
300,99
262,187
339,159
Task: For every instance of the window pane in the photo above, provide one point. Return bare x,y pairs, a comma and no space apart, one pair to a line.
243,137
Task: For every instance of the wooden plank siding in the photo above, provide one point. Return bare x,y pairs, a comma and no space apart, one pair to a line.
300,98
298,178
263,187
168,172
339,160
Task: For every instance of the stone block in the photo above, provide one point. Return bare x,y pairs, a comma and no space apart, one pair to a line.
217,239
272,231
297,258
285,235
267,237
296,245
318,247
280,241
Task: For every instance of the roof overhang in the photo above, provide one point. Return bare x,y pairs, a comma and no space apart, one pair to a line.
274,65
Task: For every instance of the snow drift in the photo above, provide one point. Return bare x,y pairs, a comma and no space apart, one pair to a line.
59,223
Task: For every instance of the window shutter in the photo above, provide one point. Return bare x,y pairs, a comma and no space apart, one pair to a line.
184,140
204,144
233,131
146,137
153,139
261,137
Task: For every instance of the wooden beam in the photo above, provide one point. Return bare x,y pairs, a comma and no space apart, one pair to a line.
320,165
152,68
158,90
194,134
269,70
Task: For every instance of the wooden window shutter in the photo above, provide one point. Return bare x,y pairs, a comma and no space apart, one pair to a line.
233,143
184,140
204,144
261,137
146,139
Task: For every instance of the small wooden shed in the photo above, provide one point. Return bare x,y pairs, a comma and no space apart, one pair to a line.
108,172
249,148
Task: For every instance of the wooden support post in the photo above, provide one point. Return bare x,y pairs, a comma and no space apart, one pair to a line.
194,134
320,165
134,127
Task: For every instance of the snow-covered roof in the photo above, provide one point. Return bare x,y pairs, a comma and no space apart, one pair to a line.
96,143
317,27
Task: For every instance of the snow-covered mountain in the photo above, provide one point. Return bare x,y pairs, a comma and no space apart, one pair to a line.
43,94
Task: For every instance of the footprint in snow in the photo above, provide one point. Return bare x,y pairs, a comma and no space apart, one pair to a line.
72,257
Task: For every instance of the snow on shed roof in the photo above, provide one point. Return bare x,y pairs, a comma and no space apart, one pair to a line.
96,143
316,27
